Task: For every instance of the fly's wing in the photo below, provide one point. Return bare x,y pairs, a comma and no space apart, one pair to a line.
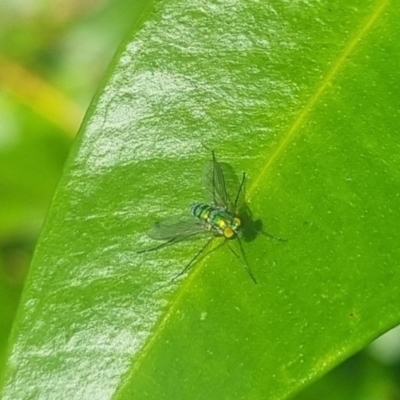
223,187
176,228
214,182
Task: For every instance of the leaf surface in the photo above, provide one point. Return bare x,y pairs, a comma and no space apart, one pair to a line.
303,96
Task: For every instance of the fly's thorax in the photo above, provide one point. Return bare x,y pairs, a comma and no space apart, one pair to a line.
225,223
218,220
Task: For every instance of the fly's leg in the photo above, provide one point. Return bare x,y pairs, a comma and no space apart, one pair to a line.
160,246
193,260
262,232
244,261
272,236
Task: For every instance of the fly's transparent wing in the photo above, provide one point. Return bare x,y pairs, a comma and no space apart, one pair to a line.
176,229
223,188
214,182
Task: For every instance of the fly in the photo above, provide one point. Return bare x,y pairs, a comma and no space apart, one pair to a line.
218,218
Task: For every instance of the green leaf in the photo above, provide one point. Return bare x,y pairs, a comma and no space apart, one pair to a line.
303,96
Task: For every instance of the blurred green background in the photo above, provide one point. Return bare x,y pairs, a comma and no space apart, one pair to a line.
53,54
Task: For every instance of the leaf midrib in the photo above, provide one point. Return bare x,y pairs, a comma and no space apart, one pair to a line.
320,90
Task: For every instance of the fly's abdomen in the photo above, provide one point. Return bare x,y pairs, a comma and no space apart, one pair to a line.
201,211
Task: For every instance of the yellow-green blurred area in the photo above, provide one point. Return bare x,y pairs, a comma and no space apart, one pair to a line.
53,56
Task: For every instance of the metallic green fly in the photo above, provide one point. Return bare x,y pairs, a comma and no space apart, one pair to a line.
218,217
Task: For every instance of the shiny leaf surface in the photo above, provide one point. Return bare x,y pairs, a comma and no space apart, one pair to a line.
303,96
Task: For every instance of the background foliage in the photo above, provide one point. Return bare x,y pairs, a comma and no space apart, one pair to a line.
53,49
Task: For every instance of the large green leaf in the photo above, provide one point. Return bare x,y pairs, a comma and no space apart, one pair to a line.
304,97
